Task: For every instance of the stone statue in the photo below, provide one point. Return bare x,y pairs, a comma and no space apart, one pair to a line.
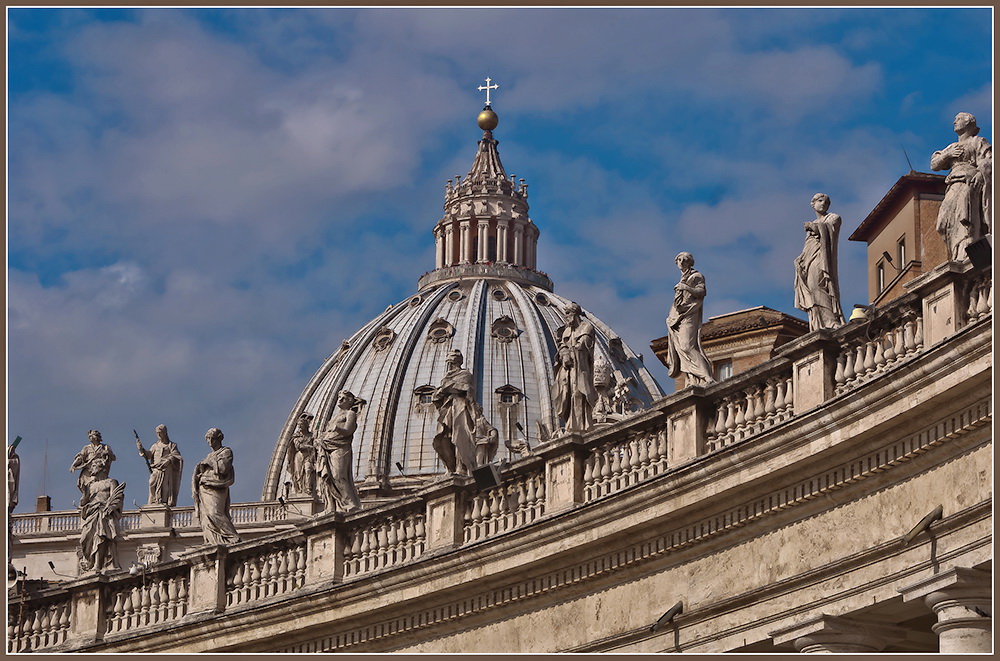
966,211
604,381
13,482
455,400
487,438
210,484
684,325
85,460
817,289
574,393
303,469
100,509
165,465
335,457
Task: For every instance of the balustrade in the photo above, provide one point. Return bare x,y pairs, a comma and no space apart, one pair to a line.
147,600
750,411
861,359
515,503
38,626
615,466
980,298
381,543
266,573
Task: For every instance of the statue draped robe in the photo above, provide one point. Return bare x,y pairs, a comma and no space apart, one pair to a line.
335,463
212,478
966,211
817,291
165,479
684,332
574,393
454,441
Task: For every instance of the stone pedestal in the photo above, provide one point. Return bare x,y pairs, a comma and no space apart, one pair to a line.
325,545
207,580
87,621
824,634
564,477
154,516
686,425
960,597
443,516
943,302
814,365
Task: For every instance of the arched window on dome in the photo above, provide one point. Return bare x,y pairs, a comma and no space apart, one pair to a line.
423,399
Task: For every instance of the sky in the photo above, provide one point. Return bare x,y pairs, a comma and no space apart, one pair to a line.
202,203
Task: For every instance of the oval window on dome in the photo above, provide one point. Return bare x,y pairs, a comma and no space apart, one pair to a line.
541,299
383,338
440,330
456,296
500,294
416,300
504,329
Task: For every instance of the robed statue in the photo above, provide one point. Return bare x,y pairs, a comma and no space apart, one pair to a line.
817,288
455,400
685,354
335,456
164,461
210,484
574,393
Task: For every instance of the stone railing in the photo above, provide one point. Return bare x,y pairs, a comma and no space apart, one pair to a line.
570,471
611,467
751,410
39,625
260,573
514,503
147,600
379,543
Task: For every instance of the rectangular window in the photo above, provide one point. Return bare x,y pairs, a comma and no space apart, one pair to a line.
723,370
880,272
901,252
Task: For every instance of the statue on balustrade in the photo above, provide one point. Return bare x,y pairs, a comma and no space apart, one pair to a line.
817,288
967,209
164,461
86,460
455,400
13,482
487,438
574,393
210,484
100,509
303,451
684,325
335,457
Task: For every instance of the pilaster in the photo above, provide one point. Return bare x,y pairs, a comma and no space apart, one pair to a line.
943,305
686,426
444,516
207,579
814,366
564,470
87,620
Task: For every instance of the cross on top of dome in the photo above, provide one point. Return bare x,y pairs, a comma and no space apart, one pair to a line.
488,87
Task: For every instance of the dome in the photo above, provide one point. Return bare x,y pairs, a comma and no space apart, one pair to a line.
484,298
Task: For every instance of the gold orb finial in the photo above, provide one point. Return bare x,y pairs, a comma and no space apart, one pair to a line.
487,119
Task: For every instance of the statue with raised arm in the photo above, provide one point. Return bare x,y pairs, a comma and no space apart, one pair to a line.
335,456
100,509
210,484
165,464
85,461
455,400
574,394
684,325
817,289
967,209
303,452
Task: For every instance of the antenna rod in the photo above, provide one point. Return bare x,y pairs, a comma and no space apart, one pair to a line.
907,158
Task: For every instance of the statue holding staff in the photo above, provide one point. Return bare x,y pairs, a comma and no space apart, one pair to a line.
165,463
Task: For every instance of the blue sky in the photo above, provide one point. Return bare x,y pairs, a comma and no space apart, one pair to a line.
203,203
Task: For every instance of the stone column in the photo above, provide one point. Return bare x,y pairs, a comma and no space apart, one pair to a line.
449,244
438,249
531,242
960,597
518,243
502,241
484,241
466,239
824,634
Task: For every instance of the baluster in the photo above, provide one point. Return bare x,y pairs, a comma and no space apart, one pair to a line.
46,626
879,356
256,578
172,605
146,603
789,397
731,411
119,612
839,378
383,544
890,350
64,620
36,630
182,596
284,576
720,420
869,357
918,333
769,407
238,583
531,497
741,417
644,459
758,403
605,470
859,361
661,447
633,460
849,372
588,476
364,549
899,347
421,535
496,507
154,602
908,339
